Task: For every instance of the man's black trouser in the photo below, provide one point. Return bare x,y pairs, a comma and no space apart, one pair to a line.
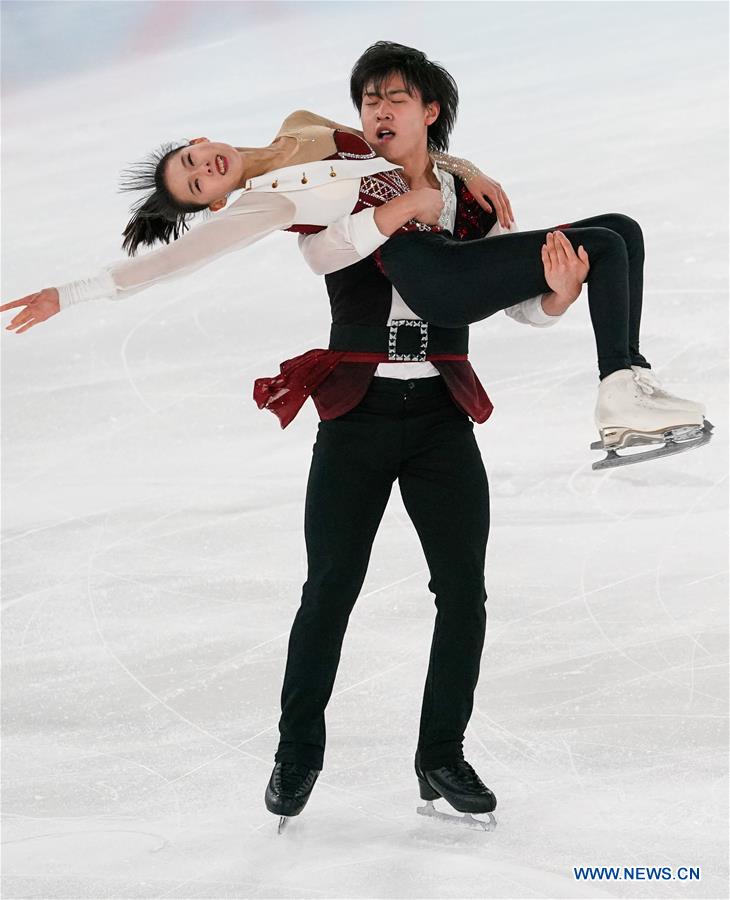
414,432
455,283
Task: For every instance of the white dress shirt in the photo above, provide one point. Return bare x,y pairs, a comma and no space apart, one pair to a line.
355,236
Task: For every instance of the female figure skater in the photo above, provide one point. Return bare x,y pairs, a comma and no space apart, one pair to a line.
293,184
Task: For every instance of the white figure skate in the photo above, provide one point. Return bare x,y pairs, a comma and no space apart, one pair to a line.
633,410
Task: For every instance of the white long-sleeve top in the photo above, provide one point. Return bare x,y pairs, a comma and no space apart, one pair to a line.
308,190
355,236
269,203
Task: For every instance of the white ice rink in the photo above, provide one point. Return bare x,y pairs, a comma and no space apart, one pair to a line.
153,551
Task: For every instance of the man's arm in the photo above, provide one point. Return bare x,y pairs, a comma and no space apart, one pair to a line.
533,311
357,235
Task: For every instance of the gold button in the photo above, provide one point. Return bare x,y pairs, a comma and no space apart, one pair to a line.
333,174
275,183
304,177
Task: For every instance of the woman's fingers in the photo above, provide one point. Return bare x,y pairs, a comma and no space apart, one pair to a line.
483,202
506,208
509,208
502,210
20,319
26,315
24,301
37,308
17,322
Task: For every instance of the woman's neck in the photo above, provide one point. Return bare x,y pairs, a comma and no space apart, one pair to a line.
260,160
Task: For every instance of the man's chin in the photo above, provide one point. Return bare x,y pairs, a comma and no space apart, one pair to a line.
389,152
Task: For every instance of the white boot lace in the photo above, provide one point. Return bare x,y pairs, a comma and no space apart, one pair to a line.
646,386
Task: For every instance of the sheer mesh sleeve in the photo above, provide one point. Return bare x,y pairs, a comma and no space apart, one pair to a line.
250,218
456,166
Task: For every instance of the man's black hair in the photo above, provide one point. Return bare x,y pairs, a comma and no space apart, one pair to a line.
434,83
157,216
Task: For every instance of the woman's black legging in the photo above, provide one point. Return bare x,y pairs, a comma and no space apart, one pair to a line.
455,283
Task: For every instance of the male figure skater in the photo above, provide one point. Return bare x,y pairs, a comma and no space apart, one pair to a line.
406,419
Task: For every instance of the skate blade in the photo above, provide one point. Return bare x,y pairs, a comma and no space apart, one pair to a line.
618,439
677,440
282,824
468,820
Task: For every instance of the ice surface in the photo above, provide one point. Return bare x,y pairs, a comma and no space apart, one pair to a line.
153,542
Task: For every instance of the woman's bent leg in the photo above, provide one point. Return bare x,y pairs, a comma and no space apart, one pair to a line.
455,283
631,232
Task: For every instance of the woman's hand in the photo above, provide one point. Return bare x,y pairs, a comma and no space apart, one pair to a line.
38,307
483,186
565,271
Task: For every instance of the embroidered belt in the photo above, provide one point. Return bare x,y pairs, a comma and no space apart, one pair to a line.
403,340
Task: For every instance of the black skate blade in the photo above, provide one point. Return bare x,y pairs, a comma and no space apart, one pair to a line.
467,820
673,444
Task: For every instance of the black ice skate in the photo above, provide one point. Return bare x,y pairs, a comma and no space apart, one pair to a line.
462,788
288,790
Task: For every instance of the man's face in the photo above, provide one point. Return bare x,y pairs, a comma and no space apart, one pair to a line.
394,122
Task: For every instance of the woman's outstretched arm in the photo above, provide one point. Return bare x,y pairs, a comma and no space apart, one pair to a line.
252,217
249,219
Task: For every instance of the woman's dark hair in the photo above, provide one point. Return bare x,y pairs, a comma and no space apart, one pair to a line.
158,216
434,83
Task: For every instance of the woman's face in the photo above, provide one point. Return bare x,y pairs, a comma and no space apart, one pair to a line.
203,172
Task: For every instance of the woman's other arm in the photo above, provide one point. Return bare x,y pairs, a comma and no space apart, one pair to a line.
302,117
480,186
